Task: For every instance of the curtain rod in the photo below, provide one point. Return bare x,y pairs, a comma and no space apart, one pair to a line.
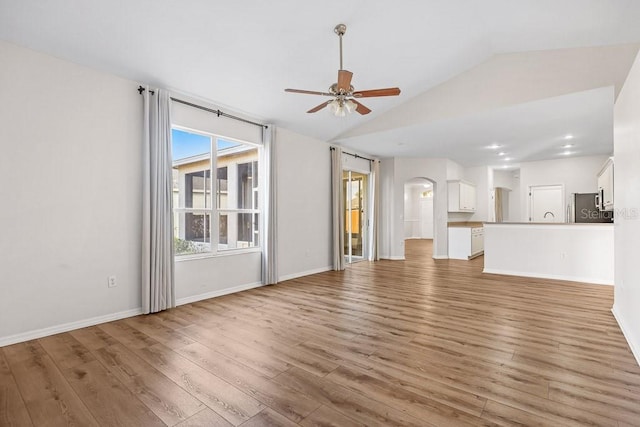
354,155
210,110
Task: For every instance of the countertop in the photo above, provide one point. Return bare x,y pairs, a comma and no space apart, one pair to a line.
550,223
466,224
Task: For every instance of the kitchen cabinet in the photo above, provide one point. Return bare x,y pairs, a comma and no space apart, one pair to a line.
605,186
466,242
462,196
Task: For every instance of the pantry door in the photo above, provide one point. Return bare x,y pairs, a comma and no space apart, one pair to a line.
546,203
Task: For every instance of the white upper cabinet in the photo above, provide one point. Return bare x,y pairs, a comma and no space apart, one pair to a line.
605,186
462,196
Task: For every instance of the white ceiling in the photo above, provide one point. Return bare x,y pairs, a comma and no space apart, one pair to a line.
241,55
525,132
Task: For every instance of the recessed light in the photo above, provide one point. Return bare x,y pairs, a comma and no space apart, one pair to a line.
505,166
568,136
567,145
566,153
507,159
494,146
502,153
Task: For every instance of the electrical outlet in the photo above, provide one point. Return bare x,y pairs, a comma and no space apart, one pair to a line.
111,282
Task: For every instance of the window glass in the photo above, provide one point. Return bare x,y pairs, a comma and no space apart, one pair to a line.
234,210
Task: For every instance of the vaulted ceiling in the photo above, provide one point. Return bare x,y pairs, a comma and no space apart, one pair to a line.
520,73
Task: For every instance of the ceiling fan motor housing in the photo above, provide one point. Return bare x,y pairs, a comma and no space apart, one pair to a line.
333,89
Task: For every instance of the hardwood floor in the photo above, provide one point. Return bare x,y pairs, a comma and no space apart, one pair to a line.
420,342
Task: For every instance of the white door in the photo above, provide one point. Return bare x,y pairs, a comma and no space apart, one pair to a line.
426,217
547,203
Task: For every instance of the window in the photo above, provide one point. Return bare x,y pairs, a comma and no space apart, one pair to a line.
214,215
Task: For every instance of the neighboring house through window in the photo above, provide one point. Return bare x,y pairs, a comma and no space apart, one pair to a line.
213,216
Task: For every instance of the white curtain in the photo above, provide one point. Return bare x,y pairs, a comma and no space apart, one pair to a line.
374,209
269,235
158,289
337,208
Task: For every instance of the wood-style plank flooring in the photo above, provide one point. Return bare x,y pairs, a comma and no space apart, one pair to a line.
420,342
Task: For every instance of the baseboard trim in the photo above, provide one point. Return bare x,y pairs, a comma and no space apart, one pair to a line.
66,327
440,257
634,349
394,258
218,293
305,273
590,280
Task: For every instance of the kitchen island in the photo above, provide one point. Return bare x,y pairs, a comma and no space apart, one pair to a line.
576,252
465,239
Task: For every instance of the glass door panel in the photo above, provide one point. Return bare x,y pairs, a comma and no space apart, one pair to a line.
355,227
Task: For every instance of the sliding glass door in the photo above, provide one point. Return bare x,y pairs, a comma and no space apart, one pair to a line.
355,185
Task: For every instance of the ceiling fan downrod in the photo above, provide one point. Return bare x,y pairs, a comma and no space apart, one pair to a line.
340,29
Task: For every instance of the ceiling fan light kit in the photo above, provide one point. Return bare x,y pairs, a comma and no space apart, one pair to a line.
342,92
341,108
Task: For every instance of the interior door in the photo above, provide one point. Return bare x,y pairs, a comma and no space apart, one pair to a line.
426,217
547,203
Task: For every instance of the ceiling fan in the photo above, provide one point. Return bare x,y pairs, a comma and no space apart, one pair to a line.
342,91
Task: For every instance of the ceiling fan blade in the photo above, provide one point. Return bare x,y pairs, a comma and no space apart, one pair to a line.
344,80
361,108
390,91
308,92
319,107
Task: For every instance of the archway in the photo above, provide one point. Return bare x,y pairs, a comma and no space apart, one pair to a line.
419,209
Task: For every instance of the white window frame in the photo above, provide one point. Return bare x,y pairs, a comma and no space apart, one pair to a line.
214,211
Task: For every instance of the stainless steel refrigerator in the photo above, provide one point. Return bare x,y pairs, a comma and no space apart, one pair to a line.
583,209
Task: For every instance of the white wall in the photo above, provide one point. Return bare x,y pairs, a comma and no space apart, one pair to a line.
418,212
480,177
387,200
627,205
71,173
577,174
515,199
455,171
71,185
395,172
411,212
304,205
503,179
207,277
577,252
425,209
509,180
356,164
